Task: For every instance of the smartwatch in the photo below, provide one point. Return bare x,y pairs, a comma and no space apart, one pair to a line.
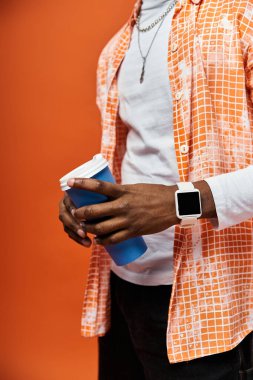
188,204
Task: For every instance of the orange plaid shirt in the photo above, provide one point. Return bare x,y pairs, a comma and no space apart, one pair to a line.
210,60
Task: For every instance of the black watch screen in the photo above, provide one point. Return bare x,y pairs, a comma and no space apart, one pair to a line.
189,203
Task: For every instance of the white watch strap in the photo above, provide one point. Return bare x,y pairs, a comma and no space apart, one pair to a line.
188,221
184,186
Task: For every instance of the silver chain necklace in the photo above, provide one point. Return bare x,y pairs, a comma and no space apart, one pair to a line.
154,23
160,19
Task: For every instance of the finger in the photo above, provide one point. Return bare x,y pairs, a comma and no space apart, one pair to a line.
69,204
70,223
106,227
102,187
86,242
99,211
116,238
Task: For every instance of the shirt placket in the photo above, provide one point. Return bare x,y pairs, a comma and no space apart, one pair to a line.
180,52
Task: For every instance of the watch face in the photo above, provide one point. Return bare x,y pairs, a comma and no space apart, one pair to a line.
189,203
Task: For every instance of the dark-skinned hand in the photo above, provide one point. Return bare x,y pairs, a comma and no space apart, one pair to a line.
74,229
131,210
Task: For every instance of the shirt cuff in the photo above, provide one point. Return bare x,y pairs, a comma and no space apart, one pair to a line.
219,197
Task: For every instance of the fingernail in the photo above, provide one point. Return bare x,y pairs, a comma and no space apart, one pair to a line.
86,243
81,233
70,182
73,211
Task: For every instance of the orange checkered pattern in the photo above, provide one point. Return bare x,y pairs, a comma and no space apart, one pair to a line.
210,61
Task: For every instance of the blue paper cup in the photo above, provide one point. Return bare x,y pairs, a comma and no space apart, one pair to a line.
121,253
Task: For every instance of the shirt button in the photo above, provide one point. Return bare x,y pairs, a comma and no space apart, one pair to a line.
179,95
174,47
196,1
184,148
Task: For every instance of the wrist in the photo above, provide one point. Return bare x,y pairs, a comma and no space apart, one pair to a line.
208,209
207,201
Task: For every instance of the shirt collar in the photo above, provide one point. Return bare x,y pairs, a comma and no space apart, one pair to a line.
135,12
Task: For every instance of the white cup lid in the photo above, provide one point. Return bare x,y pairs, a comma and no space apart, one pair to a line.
87,170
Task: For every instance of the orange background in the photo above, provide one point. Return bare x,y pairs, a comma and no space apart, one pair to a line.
49,124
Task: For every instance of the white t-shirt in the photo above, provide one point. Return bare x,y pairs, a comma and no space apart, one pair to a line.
150,156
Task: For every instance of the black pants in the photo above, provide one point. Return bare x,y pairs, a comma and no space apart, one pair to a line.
135,346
